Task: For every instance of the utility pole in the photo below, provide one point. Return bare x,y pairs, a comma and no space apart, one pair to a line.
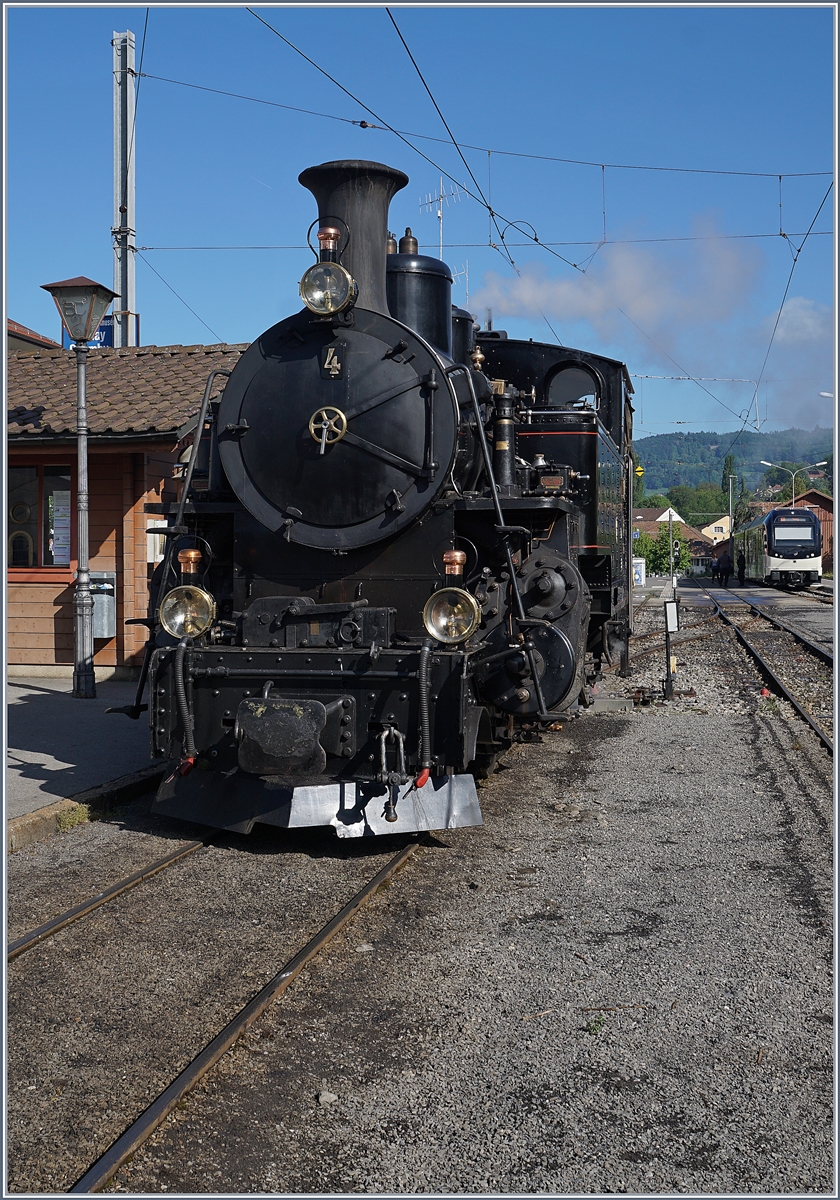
123,229
671,550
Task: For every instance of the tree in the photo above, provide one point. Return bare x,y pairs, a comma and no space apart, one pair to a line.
728,469
656,551
643,548
698,506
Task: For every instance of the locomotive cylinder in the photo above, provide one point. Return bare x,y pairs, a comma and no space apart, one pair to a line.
356,194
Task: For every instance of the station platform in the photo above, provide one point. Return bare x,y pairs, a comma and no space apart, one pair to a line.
63,752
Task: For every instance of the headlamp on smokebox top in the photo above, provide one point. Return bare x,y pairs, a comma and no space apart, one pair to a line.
328,288
187,611
451,615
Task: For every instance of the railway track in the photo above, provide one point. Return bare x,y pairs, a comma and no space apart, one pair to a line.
676,641
35,936
805,682
139,1129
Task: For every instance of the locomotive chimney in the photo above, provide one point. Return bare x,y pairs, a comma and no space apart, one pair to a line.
355,195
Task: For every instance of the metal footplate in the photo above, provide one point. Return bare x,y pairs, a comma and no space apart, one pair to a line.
237,801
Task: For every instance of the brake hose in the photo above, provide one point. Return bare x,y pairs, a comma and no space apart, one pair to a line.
188,760
425,724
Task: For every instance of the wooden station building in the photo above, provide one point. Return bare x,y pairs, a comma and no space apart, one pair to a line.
142,405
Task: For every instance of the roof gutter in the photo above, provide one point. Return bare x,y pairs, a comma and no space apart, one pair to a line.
100,439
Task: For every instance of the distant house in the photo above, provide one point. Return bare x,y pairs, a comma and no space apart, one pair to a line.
657,514
142,407
650,521
823,507
19,338
718,530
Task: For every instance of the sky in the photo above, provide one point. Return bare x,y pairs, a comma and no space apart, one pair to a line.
561,112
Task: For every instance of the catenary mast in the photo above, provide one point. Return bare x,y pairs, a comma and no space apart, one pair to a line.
123,229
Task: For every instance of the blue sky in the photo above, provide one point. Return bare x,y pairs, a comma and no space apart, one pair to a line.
723,91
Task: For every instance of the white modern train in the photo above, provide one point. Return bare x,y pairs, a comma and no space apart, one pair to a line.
782,547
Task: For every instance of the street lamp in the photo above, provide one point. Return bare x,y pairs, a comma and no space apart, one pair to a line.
731,539
81,304
793,475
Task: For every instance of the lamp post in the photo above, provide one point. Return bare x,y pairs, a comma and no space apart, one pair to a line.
793,475
731,540
81,304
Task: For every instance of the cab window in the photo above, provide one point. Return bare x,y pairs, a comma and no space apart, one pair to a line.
573,388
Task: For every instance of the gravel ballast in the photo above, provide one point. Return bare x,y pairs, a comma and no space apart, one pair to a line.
621,983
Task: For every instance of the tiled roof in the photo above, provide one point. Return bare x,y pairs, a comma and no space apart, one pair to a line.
16,330
654,514
696,539
140,389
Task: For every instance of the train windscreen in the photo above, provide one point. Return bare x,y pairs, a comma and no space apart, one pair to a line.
792,531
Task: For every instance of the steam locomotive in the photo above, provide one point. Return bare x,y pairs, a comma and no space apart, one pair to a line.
401,543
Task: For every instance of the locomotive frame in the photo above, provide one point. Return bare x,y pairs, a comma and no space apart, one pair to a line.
401,546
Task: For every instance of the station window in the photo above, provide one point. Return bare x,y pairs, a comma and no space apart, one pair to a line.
574,388
39,516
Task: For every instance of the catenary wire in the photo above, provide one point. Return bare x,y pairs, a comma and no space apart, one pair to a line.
555,253
124,200
518,245
181,298
446,126
454,141
452,179
578,162
779,315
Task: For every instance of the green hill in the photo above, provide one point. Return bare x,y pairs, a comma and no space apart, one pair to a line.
694,459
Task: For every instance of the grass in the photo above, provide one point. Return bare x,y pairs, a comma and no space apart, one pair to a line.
595,1026
68,818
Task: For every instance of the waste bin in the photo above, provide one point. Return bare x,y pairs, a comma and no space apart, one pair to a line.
103,586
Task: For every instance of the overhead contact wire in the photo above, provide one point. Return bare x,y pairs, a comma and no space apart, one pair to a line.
577,162
484,200
181,298
481,200
779,314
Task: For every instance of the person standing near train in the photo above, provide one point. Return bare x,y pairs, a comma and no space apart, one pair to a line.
714,568
725,568
742,567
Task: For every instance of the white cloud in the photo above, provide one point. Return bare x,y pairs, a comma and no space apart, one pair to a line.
701,304
804,323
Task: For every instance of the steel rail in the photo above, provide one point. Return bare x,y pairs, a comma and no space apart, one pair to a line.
770,674
826,655
106,1166
658,633
35,936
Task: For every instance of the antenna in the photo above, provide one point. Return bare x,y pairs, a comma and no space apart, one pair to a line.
456,275
442,197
